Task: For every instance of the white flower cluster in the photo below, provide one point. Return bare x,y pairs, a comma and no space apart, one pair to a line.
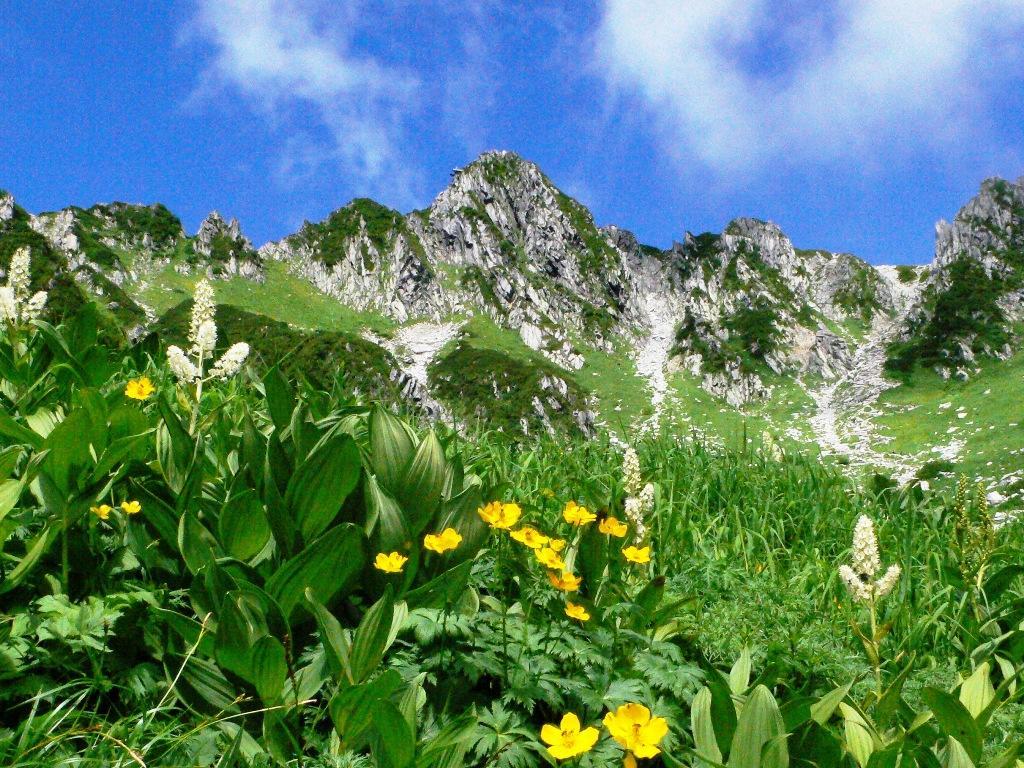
231,362
631,479
202,336
859,577
183,369
639,497
202,332
16,306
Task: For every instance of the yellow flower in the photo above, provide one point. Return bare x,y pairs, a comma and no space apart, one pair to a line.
392,563
567,582
632,726
639,555
139,389
547,493
566,740
556,544
612,527
102,511
131,507
578,612
577,515
500,515
549,559
530,536
447,539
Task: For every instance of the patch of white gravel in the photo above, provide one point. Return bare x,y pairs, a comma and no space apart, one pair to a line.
652,357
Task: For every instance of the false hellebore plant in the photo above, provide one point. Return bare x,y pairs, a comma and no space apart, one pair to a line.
864,588
190,367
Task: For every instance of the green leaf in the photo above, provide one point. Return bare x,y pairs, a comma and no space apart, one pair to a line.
370,641
386,521
240,625
38,547
269,669
352,709
10,492
739,675
955,720
977,692
822,710
421,486
394,744
328,566
859,741
335,640
441,591
392,445
243,526
703,727
723,711
956,755
321,483
196,544
204,686
280,400
760,724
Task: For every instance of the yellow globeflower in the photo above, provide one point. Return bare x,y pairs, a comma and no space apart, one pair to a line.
574,514
632,726
550,559
139,389
102,511
530,536
567,582
638,555
390,563
577,612
566,740
500,515
447,539
131,507
612,527
556,544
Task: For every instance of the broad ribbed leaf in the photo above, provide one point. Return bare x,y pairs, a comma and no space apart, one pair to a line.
329,566
977,692
371,636
386,521
335,640
704,727
420,489
392,446
243,526
394,744
955,720
760,724
268,669
321,483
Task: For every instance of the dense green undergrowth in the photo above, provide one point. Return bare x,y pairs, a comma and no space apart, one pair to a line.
245,569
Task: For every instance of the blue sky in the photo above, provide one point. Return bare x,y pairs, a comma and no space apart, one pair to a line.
854,124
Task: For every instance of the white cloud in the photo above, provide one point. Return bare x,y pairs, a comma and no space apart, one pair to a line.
297,60
861,79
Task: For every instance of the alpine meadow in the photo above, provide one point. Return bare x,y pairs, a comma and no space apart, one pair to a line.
486,480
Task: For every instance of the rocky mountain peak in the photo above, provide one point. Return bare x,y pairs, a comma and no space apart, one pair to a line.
6,206
973,291
223,250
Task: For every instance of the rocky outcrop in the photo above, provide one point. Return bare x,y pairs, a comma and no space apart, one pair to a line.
223,251
6,206
973,292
